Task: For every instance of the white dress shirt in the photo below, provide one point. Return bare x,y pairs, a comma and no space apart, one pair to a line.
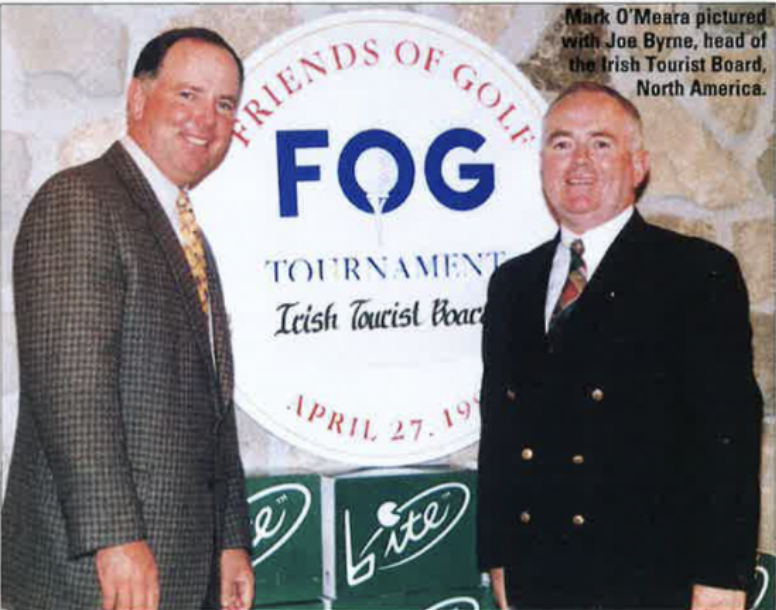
596,241
166,192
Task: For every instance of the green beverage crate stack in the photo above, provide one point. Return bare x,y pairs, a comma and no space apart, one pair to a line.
318,604
382,539
763,593
286,552
474,599
401,538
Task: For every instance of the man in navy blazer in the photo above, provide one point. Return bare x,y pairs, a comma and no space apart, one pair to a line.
620,449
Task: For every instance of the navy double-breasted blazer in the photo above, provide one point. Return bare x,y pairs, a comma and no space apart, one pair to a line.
619,462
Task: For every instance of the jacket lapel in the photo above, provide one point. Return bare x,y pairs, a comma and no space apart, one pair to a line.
618,269
221,331
143,195
533,296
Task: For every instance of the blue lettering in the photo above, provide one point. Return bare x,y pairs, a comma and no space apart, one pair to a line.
351,268
305,265
373,263
451,264
483,173
276,265
289,173
403,269
470,260
422,263
376,138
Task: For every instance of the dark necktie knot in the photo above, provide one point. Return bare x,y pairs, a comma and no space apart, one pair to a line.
578,248
575,284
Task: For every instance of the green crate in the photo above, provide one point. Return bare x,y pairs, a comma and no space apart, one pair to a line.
763,593
286,553
399,531
467,599
318,604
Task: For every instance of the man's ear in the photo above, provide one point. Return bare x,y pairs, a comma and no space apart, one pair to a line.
136,99
640,166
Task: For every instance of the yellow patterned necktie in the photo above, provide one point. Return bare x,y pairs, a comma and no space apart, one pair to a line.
192,246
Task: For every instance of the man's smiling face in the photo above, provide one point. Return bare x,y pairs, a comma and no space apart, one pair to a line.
183,117
591,160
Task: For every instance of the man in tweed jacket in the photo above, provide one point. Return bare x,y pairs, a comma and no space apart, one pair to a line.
126,489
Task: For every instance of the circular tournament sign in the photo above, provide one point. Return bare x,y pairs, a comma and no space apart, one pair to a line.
383,164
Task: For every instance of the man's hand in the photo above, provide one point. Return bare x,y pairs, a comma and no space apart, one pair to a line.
711,598
236,580
497,586
128,577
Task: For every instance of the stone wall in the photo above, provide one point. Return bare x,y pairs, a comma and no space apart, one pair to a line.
65,70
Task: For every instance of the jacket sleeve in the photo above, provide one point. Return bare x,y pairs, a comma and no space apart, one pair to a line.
236,523
235,507
491,507
727,413
69,290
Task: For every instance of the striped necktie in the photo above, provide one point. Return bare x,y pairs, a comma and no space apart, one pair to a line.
192,246
575,284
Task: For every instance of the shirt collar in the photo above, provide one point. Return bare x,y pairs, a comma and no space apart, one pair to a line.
164,189
598,239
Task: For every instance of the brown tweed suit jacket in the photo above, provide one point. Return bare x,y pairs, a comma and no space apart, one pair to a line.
126,426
